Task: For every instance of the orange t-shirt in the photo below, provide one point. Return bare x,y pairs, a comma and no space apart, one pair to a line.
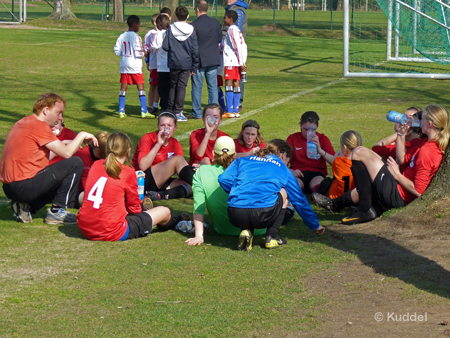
24,153
343,178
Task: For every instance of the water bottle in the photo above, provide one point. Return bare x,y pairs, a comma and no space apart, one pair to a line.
311,148
400,118
211,120
141,184
167,131
243,76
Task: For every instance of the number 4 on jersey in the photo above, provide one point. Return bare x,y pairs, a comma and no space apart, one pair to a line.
95,195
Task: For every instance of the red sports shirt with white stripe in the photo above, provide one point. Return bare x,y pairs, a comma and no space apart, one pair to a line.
234,48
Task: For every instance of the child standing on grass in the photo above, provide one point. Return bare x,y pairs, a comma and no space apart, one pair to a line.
234,59
129,47
151,61
111,209
181,45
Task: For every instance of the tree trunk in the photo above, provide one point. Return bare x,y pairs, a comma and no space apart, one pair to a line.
173,4
118,10
63,10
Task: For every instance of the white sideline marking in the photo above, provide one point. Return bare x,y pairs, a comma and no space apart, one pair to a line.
270,105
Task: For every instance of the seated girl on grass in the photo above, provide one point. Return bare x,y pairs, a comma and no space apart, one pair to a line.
111,209
378,182
201,142
310,172
249,140
160,156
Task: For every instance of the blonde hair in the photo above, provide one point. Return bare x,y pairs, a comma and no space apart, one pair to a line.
438,116
223,160
275,147
117,145
351,139
102,138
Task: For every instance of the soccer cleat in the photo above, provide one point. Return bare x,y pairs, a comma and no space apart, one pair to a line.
245,241
360,217
237,115
122,115
147,203
21,212
181,117
155,111
228,115
324,202
153,195
60,217
147,114
274,242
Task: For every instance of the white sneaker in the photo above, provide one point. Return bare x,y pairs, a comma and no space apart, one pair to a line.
181,117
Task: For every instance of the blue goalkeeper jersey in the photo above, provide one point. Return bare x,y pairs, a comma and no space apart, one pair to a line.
254,182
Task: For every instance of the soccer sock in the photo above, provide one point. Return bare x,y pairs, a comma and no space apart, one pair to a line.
274,229
169,225
187,174
143,100
315,187
229,96
180,191
343,201
122,101
236,98
222,99
363,185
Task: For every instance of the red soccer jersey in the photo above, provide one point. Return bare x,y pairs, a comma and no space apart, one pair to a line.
147,142
66,135
244,149
24,153
389,150
88,161
300,161
194,142
422,167
106,202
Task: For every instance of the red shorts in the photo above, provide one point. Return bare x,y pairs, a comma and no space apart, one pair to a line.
219,81
232,73
132,79
153,77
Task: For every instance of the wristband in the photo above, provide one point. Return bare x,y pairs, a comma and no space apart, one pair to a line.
325,154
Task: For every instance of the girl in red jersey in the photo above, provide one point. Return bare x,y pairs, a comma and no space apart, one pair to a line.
249,140
202,140
387,146
310,172
383,183
111,209
160,156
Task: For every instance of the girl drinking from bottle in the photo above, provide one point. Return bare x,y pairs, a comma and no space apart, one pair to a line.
111,209
249,140
160,156
308,171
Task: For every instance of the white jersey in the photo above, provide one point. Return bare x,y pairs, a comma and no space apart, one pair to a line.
129,47
161,54
149,37
234,48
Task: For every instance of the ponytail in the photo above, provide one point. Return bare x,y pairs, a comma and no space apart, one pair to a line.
275,147
118,145
438,116
223,160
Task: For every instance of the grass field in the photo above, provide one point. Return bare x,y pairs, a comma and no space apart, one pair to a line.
54,283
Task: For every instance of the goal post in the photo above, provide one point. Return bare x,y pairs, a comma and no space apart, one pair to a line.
396,39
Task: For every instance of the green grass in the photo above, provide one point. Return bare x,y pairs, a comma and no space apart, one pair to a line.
55,283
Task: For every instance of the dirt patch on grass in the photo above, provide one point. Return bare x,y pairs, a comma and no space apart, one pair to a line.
401,272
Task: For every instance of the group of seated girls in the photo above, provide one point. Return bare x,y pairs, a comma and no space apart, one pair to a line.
246,185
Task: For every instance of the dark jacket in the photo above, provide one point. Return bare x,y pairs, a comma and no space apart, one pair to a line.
181,46
209,35
240,7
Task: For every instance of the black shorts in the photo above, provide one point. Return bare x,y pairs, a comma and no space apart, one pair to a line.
255,218
140,225
150,184
308,177
385,188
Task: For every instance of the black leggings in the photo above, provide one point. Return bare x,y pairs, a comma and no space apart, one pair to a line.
58,183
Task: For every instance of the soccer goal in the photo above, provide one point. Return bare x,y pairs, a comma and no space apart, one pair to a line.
9,15
397,38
